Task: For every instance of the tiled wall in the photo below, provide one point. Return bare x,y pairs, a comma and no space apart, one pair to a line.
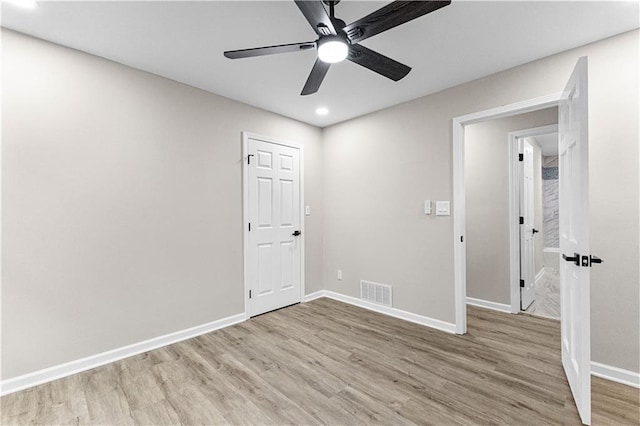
550,200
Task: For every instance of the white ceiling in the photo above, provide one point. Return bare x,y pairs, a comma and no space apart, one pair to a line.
548,143
184,41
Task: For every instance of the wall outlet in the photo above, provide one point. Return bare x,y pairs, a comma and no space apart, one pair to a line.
339,274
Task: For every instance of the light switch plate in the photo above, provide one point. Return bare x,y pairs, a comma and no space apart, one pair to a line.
427,206
307,210
443,208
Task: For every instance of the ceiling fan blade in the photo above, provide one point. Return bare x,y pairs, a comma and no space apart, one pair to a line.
317,16
316,76
377,62
390,16
269,50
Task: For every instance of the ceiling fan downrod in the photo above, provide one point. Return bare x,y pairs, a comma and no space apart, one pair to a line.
331,4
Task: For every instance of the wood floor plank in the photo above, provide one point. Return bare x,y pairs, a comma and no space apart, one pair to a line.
614,404
326,362
192,407
366,409
105,398
157,413
64,401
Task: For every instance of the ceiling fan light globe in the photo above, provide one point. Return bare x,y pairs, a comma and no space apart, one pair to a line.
333,51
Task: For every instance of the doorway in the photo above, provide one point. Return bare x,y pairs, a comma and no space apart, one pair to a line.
538,290
503,255
573,229
273,193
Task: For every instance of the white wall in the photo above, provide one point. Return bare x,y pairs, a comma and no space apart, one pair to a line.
122,204
487,202
378,168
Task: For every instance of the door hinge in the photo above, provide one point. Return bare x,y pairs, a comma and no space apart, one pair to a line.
249,226
462,238
521,283
249,294
249,158
520,157
521,220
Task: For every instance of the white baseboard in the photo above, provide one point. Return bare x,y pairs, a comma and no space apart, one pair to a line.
25,381
502,307
615,374
393,312
59,371
316,295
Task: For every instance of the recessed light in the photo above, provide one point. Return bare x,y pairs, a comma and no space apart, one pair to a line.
322,111
26,4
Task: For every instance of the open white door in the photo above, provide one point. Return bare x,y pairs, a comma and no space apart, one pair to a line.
274,237
527,231
574,238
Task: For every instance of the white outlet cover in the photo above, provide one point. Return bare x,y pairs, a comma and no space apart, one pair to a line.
443,208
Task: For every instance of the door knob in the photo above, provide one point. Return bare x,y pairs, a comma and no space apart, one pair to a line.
534,230
575,258
296,233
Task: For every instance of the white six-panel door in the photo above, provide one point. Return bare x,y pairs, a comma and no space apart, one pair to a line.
273,263
574,239
527,246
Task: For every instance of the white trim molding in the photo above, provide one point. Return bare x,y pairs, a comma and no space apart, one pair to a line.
501,307
67,369
385,310
459,209
615,374
315,295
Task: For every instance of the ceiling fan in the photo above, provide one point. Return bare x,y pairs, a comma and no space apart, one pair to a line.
338,41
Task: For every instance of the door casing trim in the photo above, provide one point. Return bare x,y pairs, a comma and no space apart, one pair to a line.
459,209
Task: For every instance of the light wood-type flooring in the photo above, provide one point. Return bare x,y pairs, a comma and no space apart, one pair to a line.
325,362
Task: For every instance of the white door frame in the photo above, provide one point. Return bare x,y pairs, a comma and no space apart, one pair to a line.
514,208
459,209
245,211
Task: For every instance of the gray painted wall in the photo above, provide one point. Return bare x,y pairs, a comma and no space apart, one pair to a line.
380,167
487,202
122,204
